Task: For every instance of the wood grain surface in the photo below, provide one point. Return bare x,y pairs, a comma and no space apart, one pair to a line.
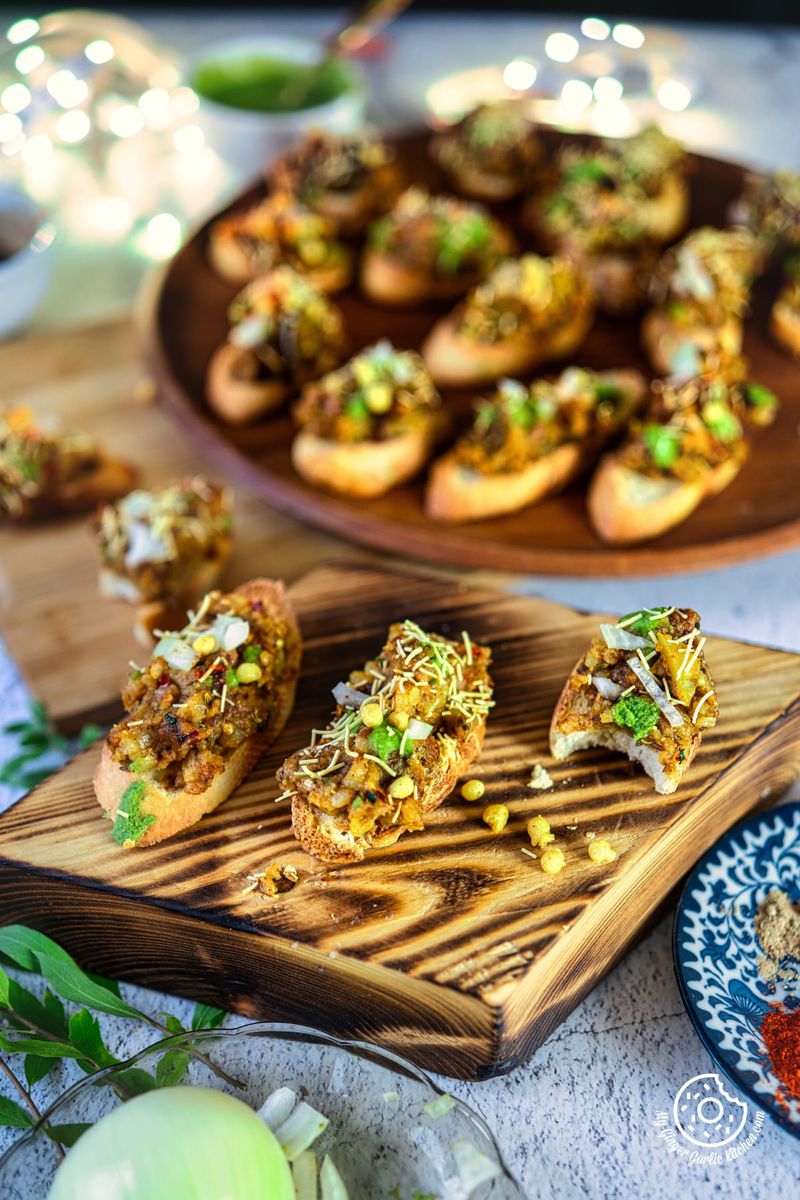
758,514
451,947
70,642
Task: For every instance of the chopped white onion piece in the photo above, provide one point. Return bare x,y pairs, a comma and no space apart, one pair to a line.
300,1130
144,546
277,1107
230,631
655,692
304,1176
606,687
332,1183
349,697
178,653
418,730
474,1168
619,639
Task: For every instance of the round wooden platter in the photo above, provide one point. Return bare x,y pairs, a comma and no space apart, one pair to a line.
185,320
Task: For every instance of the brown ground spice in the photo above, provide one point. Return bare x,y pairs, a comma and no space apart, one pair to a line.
777,926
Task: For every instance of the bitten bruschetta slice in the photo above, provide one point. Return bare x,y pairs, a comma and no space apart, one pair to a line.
494,153
642,688
47,473
404,728
530,310
690,445
200,714
700,293
785,317
368,426
349,178
283,333
280,230
162,550
430,248
529,441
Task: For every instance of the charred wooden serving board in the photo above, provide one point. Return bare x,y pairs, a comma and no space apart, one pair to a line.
452,947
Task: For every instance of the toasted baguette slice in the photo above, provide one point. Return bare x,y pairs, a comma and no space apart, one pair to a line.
328,837
663,338
456,361
626,506
386,281
666,752
363,469
666,214
231,261
176,810
458,493
489,186
236,398
109,480
785,325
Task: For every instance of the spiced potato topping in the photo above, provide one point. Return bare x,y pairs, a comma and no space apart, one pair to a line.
646,675
36,463
440,236
328,162
522,296
690,429
494,139
206,689
398,724
380,393
282,230
707,276
156,539
284,328
521,422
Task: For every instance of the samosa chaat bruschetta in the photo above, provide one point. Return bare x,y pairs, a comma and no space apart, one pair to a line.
700,294
368,426
769,207
530,310
162,550
47,473
642,688
430,248
529,440
690,445
493,153
784,320
404,728
280,230
283,333
348,178
200,713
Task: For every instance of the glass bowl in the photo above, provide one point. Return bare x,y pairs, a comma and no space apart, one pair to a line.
380,1137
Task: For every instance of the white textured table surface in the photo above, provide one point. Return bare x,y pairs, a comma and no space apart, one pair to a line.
576,1120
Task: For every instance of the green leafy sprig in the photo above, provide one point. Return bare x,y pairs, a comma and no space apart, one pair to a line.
45,1032
39,740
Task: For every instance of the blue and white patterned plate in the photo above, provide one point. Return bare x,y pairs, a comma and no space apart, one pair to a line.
716,950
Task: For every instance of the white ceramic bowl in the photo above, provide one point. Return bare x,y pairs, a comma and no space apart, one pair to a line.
247,140
27,265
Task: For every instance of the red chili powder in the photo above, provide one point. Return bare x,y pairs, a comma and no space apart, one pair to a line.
780,1029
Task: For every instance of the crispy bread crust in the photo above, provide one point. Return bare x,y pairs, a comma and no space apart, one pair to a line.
238,401
785,326
329,838
176,810
231,261
386,281
362,469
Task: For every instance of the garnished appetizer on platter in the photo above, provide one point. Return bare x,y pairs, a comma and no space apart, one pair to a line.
349,179
642,688
45,472
530,310
700,294
769,207
653,167
200,713
244,245
529,440
690,445
430,248
493,153
404,728
161,550
283,333
369,425
785,316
